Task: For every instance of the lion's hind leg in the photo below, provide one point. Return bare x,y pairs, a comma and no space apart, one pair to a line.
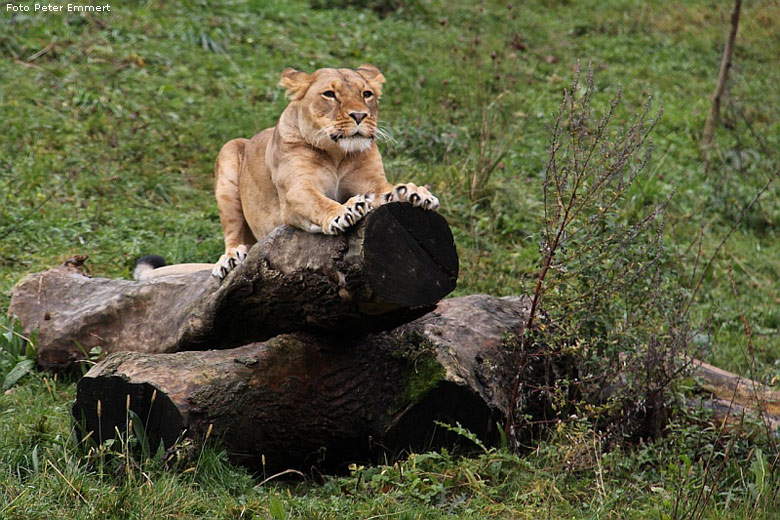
229,261
235,229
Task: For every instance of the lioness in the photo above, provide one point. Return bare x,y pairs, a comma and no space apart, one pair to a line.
318,169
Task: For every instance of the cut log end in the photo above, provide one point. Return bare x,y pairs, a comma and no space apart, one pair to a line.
111,403
422,247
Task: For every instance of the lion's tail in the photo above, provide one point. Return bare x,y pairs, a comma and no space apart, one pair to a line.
145,265
153,266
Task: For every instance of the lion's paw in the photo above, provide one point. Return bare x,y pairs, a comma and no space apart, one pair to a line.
416,195
349,214
229,261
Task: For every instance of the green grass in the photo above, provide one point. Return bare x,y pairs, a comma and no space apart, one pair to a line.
110,123
566,476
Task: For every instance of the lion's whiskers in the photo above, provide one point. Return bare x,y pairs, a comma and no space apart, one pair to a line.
384,135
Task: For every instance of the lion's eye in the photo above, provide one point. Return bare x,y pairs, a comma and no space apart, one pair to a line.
329,94
367,94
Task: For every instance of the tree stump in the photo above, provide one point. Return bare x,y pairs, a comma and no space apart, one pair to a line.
300,400
391,268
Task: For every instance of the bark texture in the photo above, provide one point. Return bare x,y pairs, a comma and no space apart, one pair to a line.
307,400
302,400
290,281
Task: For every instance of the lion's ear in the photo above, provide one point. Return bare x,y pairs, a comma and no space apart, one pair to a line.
372,76
296,83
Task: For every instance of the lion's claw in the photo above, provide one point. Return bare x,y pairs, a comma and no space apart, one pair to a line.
418,196
350,214
229,261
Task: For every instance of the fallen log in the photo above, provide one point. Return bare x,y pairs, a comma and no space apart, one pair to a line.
301,400
731,398
392,267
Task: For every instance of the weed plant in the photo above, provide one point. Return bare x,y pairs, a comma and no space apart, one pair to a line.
604,284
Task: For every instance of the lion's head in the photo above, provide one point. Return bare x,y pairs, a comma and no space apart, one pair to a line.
336,106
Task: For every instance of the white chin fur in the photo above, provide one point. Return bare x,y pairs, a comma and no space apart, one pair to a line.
355,144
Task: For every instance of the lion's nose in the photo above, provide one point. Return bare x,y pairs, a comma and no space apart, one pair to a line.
358,116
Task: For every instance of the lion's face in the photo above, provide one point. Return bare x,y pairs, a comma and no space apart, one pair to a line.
337,106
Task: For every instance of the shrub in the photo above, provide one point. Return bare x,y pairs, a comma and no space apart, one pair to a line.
606,290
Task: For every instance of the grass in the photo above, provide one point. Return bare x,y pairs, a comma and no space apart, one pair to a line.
566,476
110,125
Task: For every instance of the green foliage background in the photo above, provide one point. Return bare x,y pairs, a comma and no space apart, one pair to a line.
109,125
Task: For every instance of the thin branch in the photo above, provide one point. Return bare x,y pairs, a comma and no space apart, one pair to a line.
726,237
723,77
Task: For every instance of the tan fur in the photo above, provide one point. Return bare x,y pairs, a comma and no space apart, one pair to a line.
318,169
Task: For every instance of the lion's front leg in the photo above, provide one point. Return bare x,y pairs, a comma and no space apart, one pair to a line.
349,214
368,177
306,207
416,195
375,186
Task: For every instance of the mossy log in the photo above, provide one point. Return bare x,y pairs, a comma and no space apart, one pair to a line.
302,400
306,400
392,267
